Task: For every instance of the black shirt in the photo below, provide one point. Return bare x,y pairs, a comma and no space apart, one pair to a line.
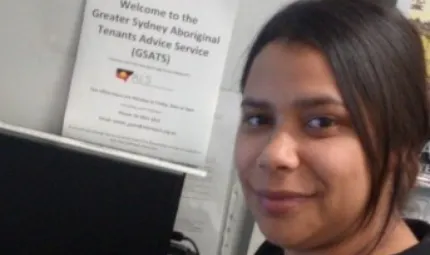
421,230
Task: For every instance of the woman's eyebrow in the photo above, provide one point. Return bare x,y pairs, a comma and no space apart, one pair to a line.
306,102
316,101
256,103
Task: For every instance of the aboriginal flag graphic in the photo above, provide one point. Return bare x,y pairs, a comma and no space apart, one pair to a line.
123,74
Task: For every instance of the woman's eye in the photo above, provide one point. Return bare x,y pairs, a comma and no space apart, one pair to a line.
256,120
320,122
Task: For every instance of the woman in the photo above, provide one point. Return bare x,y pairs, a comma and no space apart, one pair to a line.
335,115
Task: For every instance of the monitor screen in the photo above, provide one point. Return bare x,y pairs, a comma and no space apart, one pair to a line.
55,200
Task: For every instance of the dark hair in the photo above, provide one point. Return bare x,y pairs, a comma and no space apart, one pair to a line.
377,58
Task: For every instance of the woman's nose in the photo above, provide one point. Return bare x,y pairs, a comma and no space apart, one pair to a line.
280,153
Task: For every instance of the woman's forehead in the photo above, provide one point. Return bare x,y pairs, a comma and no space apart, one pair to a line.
291,73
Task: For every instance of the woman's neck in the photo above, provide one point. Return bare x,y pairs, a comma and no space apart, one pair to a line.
397,238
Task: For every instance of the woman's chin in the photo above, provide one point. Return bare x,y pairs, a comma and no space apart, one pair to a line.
282,234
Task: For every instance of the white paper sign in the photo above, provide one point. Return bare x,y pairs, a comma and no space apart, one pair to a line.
148,74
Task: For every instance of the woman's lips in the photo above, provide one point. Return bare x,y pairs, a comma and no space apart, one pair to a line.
282,202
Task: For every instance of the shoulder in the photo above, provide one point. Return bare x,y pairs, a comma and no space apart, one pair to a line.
269,249
421,231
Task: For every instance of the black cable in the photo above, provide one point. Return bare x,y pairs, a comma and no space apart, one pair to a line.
178,249
179,237
191,241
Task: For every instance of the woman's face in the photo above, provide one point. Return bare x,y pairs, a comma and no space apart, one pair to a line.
301,164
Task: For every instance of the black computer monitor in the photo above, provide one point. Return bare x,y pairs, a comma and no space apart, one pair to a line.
57,200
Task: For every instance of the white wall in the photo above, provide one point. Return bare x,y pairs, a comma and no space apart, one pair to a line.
38,44
251,16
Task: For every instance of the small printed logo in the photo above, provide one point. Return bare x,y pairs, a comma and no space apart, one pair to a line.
123,74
